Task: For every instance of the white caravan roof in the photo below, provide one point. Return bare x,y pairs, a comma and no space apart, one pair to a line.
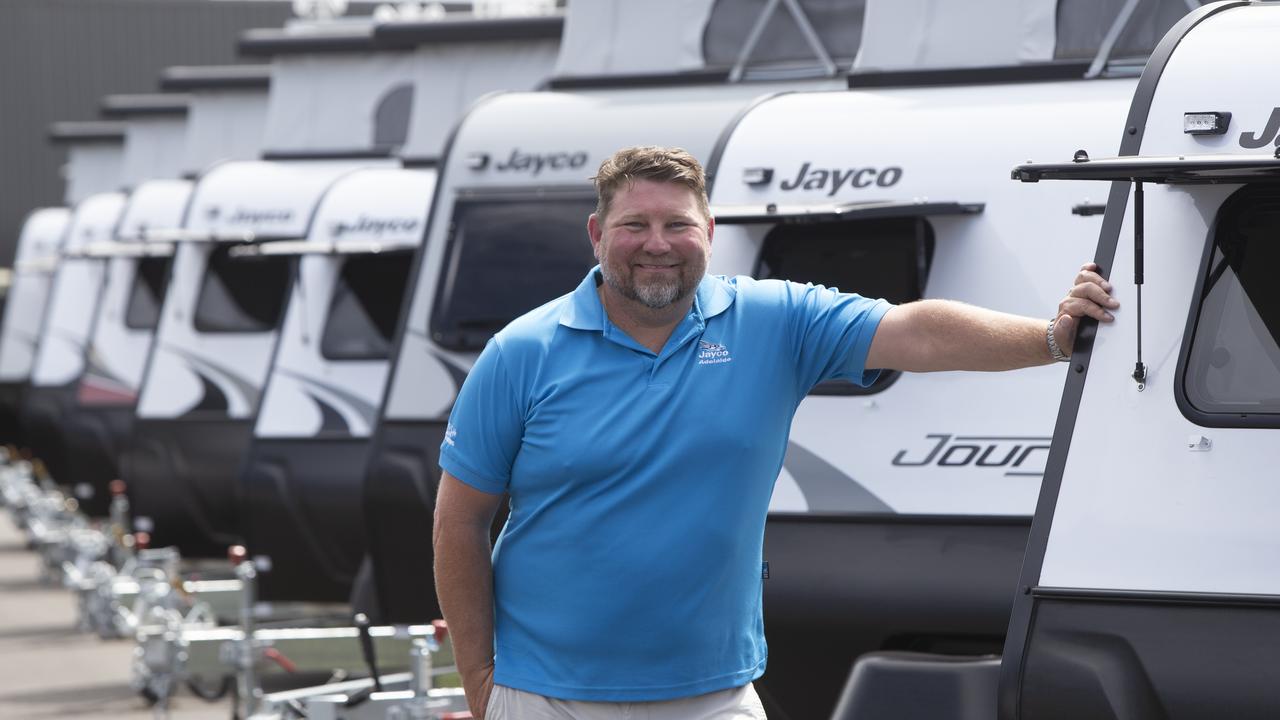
227,114
155,135
458,60
94,221
155,205
95,155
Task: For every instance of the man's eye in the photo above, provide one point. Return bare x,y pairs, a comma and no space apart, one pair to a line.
678,225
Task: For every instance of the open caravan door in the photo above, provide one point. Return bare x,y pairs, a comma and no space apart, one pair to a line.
224,121
335,105
508,228
1151,587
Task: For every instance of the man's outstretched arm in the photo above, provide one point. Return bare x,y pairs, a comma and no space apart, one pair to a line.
464,582
930,335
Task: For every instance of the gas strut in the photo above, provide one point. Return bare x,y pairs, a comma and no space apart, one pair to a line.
1139,369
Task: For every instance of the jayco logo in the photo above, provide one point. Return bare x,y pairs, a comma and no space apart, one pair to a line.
242,216
535,163
1253,141
712,353
450,432
375,226
835,178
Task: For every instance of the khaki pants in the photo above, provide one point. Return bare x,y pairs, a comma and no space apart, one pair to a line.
740,703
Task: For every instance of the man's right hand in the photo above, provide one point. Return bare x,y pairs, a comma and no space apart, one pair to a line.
478,685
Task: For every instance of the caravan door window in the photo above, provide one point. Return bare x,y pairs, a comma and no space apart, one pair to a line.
150,279
504,258
242,295
365,309
884,258
1232,362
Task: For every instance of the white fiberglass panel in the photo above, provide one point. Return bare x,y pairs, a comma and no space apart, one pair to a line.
24,309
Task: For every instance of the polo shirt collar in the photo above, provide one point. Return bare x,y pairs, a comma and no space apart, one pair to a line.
584,311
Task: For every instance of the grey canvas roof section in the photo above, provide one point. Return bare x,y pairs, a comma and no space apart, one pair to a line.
920,34
469,29
71,132
188,78
153,148
224,125
308,39
618,37
90,169
134,105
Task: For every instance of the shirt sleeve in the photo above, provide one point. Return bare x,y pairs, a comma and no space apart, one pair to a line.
486,426
834,333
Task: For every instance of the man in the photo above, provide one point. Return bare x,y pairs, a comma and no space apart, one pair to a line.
638,425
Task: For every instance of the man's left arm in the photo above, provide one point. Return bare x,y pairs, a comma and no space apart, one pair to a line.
931,335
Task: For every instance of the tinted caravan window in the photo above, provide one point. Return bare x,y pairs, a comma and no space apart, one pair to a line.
150,278
505,258
365,309
242,295
886,258
1233,360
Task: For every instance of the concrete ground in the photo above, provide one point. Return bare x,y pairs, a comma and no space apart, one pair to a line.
48,669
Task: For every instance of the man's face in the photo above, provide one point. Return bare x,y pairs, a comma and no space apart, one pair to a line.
654,244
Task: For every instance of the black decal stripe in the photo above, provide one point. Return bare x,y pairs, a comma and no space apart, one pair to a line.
1011,670
212,399
826,488
331,421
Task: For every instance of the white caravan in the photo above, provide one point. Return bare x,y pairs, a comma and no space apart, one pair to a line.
508,229
154,127
302,476
1151,587
224,121
336,104
94,155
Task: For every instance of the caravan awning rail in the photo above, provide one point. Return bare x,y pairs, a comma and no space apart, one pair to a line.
795,214
1170,169
111,249
322,247
42,266
176,235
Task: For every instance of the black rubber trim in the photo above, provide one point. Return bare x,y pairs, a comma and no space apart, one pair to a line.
119,106
656,80
900,518
215,77
268,42
468,29
991,75
717,151
406,303
421,162
1015,650
352,154
89,131
1157,597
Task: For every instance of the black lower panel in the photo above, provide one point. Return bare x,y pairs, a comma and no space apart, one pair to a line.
399,501
95,438
44,412
840,587
1151,660
11,414
184,476
302,509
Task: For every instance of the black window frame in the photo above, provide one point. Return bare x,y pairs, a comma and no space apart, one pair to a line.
926,242
222,251
405,256
1197,415
140,278
452,338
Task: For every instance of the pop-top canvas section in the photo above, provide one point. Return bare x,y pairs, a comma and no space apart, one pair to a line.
1087,38
95,156
740,39
227,113
155,135
334,91
460,58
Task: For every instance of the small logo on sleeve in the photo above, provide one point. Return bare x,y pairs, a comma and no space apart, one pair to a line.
450,432
712,353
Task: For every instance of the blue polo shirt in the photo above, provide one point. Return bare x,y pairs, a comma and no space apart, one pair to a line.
630,566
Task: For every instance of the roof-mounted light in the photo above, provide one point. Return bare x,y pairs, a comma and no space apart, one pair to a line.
1205,123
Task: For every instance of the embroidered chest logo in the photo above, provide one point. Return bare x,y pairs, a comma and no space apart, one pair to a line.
712,353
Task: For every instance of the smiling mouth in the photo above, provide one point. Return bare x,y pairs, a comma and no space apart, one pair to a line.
646,266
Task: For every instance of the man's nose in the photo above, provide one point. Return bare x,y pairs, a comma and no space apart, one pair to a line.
656,241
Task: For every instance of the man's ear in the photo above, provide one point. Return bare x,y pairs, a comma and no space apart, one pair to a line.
595,232
711,229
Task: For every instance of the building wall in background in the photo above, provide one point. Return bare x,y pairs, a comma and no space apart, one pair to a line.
59,57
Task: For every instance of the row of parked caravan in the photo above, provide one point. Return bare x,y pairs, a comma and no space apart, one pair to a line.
247,328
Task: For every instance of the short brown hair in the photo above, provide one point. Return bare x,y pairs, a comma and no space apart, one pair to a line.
649,162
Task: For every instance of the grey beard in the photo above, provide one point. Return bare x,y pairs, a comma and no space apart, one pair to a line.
654,297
